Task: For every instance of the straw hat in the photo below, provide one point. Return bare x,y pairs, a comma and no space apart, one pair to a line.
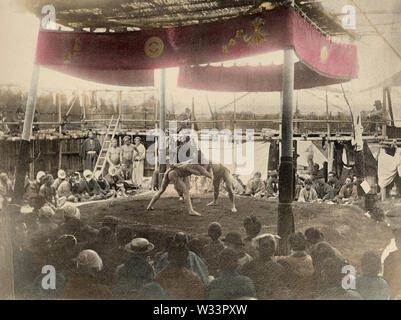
139,246
88,175
40,175
71,212
61,174
89,259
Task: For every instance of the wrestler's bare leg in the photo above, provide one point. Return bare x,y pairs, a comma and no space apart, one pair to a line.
180,186
166,181
229,186
216,190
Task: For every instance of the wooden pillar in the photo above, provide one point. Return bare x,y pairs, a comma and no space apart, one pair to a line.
162,124
285,223
60,151
384,114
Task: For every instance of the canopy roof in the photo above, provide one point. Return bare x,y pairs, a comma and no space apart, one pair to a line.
149,14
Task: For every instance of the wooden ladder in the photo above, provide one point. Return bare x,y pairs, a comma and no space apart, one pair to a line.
110,133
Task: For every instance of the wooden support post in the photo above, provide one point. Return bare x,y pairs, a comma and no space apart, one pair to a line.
193,114
235,110
162,125
390,106
384,114
120,106
60,151
285,223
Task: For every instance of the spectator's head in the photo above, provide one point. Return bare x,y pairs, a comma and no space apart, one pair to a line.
348,181
45,214
397,236
105,235
64,249
127,140
273,175
378,104
313,235
234,241
214,231
252,226
196,245
88,261
39,177
70,212
111,222
178,254
124,236
321,251
308,184
257,175
331,272
48,179
354,179
3,177
137,140
181,238
61,174
139,247
19,112
228,259
91,134
266,244
331,176
371,264
297,241
114,143
88,175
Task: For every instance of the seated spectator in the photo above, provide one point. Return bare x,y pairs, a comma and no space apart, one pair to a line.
298,268
369,285
348,192
79,187
313,236
265,272
229,285
234,241
307,194
103,184
255,186
299,185
252,227
194,262
319,253
85,285
61,176
213,248
334,183
61,256
46,226
392,266
272,185
135,272
196,246
33,187
332,277
189,286
322,189
116,181
92,187
6,189
47,191
112,223
63,188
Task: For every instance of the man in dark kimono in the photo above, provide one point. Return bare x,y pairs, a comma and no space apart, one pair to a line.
90,150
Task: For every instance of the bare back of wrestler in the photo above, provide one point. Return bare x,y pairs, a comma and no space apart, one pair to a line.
178,175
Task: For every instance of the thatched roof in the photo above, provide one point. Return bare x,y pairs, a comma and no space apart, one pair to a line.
149,14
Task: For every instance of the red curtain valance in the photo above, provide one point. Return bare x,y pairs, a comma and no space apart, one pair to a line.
250,79
197,44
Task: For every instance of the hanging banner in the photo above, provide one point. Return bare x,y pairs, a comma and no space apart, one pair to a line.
249,79
269,31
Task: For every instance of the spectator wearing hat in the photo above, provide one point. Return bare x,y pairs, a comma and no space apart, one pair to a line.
370,285
33,187
127,158
234,241
229,285
189,286
307,193
139,162
92,186
46,224
298,268
85,285
116,181
103,184
63,188
135,272
212,250
62,253
332,277
194,262
334,183
90,151
267,275
252,227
